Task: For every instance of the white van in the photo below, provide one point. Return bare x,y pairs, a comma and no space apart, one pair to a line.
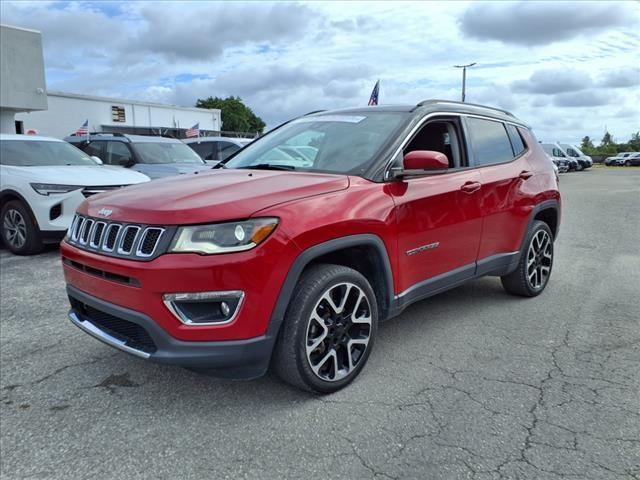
584,161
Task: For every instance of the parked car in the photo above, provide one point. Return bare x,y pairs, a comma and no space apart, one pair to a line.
584,161
266,262
214,149
632,160
156,157
42,183
618,160
558,157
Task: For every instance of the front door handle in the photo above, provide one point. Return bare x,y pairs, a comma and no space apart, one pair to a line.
525,174
470,187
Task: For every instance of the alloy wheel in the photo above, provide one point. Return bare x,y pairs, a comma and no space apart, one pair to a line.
15,228
338,331
539,259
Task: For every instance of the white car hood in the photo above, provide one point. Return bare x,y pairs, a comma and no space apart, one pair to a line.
82,175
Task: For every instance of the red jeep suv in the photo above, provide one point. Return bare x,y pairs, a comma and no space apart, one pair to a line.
295,248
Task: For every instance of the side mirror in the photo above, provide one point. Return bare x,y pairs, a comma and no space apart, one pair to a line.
422,162
126,163
97,160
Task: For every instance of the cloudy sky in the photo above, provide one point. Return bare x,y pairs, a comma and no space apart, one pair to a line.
569,69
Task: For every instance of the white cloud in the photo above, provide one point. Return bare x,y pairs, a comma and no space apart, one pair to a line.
285,59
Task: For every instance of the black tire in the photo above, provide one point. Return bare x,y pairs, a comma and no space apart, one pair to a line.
520,281
15,215
580,167
627,163
291,360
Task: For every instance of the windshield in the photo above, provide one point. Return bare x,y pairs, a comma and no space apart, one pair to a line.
326,143
35,153
165,152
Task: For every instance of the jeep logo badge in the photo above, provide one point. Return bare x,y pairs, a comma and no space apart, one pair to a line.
105,212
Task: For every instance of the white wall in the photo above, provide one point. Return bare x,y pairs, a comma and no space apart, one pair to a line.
67,112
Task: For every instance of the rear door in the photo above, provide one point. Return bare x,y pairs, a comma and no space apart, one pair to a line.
500,154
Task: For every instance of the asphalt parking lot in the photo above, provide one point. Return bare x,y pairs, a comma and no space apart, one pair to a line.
472,383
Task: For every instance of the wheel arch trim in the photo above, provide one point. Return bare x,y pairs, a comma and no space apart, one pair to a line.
316,251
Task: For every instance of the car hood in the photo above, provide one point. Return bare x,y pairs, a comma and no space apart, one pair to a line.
211,196
161,170
84,175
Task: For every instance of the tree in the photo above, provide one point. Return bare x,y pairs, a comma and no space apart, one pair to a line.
236,116
607,145
634,142
587,145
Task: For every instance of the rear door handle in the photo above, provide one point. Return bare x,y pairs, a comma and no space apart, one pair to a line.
470,187
525,174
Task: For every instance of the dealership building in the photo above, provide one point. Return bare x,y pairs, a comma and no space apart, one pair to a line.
26,106
68,111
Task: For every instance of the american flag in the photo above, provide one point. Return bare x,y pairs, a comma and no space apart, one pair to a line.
84,129
374,95
194,131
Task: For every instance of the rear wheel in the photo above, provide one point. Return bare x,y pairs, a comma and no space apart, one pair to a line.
534,268
328,331
627,163
19,231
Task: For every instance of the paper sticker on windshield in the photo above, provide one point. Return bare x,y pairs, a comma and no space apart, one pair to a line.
332,118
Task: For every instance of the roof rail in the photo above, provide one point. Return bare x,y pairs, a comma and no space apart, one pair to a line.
114,134
434,101
311,113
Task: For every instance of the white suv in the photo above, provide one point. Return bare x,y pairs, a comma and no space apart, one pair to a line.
42,182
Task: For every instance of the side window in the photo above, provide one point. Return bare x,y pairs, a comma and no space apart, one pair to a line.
516,140
206,150
572,153
93,149
227,149
439,136
490,141
558,153
118,153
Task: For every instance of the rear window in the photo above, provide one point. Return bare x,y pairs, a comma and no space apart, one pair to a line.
490,141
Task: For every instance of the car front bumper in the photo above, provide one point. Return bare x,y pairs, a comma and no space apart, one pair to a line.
135,333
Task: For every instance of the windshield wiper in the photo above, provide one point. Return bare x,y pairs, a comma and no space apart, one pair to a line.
270,166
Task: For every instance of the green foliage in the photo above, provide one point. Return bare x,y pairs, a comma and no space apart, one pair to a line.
236,116
587,145
609,147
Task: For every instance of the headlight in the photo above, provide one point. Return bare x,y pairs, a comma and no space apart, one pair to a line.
47,188
223,237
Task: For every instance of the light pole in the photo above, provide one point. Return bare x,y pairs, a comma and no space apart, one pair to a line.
464,76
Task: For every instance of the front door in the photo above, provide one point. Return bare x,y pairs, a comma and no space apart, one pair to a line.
438,217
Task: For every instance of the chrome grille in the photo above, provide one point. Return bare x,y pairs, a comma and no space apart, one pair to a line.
133,241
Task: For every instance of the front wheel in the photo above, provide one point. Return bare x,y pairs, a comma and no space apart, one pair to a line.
627,163
19,231
536,261
329,329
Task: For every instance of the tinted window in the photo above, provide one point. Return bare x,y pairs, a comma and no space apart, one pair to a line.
34,153
94,149
206,150
516,140
490,141
227,149
118,154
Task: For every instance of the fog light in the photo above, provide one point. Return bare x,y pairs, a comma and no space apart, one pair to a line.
204,308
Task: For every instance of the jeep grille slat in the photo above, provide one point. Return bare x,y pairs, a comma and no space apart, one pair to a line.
125,240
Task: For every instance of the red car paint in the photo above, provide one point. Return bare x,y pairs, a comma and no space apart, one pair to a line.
461,217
